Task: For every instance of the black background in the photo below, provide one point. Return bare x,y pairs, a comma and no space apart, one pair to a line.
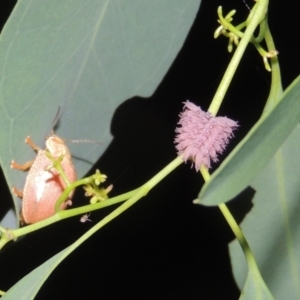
164,247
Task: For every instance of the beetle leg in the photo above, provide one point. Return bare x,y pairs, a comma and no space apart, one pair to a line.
69,202
17,192
29,141
22,167
21,218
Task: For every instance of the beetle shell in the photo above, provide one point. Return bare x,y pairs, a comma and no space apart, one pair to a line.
43,187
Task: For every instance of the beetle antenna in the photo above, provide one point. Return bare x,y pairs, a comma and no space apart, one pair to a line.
83,141
246,4
55,120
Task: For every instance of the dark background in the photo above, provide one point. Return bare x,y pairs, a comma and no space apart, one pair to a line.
164,247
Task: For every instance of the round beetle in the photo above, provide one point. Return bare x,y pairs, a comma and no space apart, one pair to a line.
44,186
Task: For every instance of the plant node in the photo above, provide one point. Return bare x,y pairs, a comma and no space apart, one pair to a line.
92,189
235,33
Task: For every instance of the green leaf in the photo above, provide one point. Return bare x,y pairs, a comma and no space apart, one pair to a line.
85,57
272,228
255,287
29,285
253,153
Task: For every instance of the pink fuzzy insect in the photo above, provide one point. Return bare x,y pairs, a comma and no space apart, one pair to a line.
201,136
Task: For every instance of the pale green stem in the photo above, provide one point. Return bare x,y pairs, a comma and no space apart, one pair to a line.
262,32
232,30
69,188
9,234
236,230
132,196
2,293
205,173
251,262
231,221
229,218
142,191
276,86
57,165
64,214
258,14
276,89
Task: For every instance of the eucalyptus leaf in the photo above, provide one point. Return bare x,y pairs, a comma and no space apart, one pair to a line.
28,286
272,227
253,153
85,57
255,287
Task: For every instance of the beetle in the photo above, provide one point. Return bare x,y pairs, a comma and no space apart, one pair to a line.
43,186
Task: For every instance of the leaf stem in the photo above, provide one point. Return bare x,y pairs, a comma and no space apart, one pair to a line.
251,262
138,194
276,87
131,197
